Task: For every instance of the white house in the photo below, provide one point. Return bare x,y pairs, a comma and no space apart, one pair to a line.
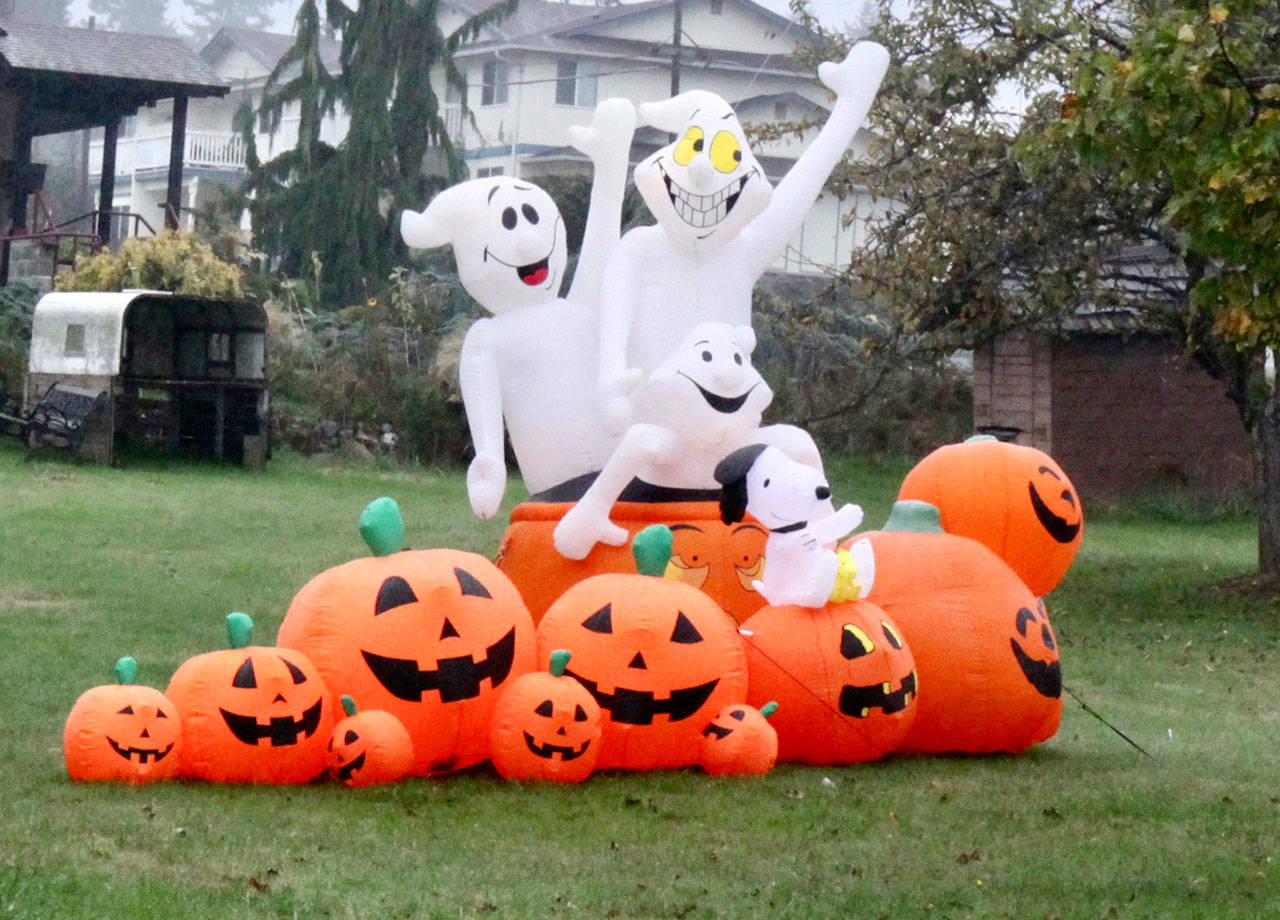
529,78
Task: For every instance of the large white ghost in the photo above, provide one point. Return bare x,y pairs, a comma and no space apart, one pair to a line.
719,223
533,362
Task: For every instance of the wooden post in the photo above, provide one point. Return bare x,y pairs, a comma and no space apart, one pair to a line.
177,147
107,182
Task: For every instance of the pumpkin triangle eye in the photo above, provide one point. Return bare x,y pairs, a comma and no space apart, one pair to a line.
579,714
244,677
685,632
127,711
737,714
395,592
545,708
470,585
295,672
1025,616
891,634
448,630
350,737
601,621
854,643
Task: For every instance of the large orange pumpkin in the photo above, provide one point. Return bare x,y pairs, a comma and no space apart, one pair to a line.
429,636
844,680
122,731
546,726
720,559
368,747
251,714
660,657
1013,499
990,675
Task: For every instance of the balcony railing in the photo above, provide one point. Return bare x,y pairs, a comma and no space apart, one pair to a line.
217,149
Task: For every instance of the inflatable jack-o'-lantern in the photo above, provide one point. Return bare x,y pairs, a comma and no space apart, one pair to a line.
990,675
429,636
740,741
122,731
546,726
844,679
368,747
251,714
721,560
1013,499
660,657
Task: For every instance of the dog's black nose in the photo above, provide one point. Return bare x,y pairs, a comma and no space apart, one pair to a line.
822,492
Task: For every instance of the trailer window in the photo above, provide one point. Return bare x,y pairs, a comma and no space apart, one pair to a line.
74,346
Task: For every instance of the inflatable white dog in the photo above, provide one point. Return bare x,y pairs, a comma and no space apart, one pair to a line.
719,223
801,564
704,401
534,361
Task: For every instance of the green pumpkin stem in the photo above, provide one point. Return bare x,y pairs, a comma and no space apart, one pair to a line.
768,709
914,517
126,670
349,705
382,526
559,661
651,548
239,630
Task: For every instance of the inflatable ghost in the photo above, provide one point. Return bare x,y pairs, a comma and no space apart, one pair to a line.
533,362
704,402
719,223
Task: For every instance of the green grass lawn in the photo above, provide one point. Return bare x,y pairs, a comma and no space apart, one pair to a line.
147,560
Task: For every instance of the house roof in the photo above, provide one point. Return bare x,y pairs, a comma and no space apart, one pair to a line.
75,78
267,48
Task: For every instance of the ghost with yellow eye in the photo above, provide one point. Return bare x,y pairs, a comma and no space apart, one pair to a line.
720,224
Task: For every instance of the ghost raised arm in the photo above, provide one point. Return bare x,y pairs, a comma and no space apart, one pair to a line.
607,140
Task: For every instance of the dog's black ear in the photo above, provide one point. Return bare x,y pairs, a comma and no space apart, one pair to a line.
731,473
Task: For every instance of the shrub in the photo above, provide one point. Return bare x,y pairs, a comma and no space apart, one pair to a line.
17,301
169,261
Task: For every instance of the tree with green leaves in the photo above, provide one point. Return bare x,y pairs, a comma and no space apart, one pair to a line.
1026,145
146,17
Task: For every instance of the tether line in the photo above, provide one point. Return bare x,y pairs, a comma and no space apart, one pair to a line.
1089,709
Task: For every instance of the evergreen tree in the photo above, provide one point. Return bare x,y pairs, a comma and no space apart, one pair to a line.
53,12
207,16
146,17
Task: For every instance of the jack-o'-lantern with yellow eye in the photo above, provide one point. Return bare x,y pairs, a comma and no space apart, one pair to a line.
546,727
122,731
251,714
430,636
368,747
843,677
660,657
990,672
740,741
1013,499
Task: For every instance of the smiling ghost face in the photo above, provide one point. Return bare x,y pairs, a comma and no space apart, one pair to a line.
508,242
705,186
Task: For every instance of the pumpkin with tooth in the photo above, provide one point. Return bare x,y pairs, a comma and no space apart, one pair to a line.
546,727
659,656
429,636
122,731
844,679
368,747
740,741
251,714
1013,499
990,674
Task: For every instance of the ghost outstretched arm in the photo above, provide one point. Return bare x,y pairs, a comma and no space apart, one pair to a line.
619,292
607,140
482,398
855,81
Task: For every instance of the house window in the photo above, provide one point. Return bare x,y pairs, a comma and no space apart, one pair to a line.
493,90
576,83
219,347
717,7
485,172
780,111
74,346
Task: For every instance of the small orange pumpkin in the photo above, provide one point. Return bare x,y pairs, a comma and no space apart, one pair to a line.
659,656
429,636
990,675
844,679
546,726
368,747
1013,499
251,714
740,741
122,731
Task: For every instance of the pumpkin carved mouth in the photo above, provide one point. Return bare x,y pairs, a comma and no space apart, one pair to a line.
549,750
719,732
347,770
859,701
1045,676
453,678
280,730
143,755
1057,527
638,707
